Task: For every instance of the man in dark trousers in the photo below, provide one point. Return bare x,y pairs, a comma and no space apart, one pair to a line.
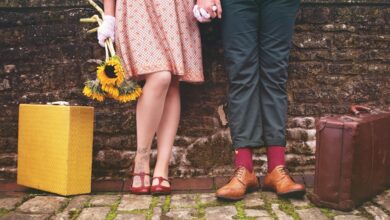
257,39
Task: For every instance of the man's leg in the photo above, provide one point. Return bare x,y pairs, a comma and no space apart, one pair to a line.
277,18
240,24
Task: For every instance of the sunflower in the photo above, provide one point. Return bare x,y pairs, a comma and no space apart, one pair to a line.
111,72
110,76
129,91
111,90
93,90
130,96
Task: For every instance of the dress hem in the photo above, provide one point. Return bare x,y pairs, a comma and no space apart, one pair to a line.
138,77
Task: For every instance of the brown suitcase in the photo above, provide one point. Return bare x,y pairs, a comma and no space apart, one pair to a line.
352,159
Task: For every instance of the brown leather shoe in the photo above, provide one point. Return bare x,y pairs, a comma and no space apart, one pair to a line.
280,181
242,182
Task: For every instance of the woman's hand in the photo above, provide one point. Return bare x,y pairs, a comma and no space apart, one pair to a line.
198,15
206,8
106,30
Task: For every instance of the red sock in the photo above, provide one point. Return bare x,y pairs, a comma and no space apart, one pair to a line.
244,158
275,157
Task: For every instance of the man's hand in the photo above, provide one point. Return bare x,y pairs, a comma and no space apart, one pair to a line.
206,7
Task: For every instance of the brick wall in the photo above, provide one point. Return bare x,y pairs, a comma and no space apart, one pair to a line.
341,54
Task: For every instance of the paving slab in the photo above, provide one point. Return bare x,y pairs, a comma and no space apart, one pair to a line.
279,213
182,213
134,202
377,213
269,195
21,216
77,202
183,206
311,214
61,216
157,212
207,198
299,203
262,218
95,213
161,200
384,200
183,200
338,212
128,216
258,214
253,200
349,217
220,212
42,204
9,203
103,200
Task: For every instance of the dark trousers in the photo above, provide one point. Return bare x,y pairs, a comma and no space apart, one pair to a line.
257,39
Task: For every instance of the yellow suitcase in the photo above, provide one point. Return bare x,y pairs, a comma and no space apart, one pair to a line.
55,148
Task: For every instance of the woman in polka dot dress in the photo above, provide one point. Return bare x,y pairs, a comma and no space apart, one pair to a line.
159,42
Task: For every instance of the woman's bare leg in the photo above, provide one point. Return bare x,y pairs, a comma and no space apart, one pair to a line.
150,108
167,131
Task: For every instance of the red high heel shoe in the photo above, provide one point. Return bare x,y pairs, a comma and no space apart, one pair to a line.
160,189
141,190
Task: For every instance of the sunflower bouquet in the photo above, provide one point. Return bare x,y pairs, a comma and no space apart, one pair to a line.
110,76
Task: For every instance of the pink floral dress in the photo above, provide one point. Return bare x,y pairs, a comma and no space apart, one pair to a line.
159,35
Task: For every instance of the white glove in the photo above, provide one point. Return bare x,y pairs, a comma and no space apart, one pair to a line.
201,15
106,29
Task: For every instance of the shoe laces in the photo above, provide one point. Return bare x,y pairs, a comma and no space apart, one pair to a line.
285,173
239,172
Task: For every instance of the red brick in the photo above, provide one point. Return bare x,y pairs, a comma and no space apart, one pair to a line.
220,181
192,184
107,186
12,186
126,185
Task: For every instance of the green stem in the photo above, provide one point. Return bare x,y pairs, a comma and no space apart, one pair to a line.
108,44
92,30
88,20
106,49
98,20
111,47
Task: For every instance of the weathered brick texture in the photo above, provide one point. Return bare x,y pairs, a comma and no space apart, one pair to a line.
340,55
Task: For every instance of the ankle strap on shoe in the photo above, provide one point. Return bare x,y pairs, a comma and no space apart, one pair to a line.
160,179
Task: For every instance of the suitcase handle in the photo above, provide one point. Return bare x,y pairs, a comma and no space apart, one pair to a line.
347,118
357,109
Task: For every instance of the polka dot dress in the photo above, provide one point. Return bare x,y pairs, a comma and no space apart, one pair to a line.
159,35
